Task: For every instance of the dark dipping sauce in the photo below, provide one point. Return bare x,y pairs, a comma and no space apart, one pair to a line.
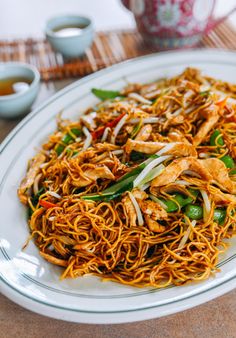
14,85
69,30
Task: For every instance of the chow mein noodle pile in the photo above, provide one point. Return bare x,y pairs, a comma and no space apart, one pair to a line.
142,188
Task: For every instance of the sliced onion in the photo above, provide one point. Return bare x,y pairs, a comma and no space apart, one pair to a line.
36,183
187,95
139,98
51,247
177,112
186,235
205,88
191,173
190,109
43,165
54,194
145,186
155,199
223,95
118,128
149,166
203,155
145,120
118,152
207,205
105,134
51,218
88,139
153,173
137,208
88,120
166,148
182,182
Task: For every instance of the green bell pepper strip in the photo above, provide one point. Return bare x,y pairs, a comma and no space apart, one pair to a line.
194,211
103,94
216,139
219,216
228,161
232,172
67,139
182,201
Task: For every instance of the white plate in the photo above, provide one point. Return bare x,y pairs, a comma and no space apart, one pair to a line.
29,280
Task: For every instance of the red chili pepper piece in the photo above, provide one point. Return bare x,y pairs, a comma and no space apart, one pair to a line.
99,132
46,204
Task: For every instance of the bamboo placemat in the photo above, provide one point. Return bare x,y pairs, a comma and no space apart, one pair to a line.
108,48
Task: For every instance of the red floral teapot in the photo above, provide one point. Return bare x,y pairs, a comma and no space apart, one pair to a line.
173,23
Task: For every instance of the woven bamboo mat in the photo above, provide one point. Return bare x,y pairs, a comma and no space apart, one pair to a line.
108,48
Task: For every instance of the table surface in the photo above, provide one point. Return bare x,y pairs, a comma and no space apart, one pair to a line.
213,319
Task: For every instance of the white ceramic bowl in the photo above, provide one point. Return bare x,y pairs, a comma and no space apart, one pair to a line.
17,104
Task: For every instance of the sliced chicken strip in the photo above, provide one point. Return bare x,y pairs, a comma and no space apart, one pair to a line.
153,210
154,225
144,133
93,174
223,199
178,148
54,260
219,173
139,194
176,168
212,117
28,181
176,136
130,210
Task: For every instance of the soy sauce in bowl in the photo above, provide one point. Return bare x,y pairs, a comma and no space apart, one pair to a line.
14,85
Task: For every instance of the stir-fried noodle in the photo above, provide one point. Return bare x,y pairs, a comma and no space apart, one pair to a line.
142,188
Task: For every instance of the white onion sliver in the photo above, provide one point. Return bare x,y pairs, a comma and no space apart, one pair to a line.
51,247
182,182
145,120
54,194
105,134
118,152
145,186
137,208
191,173
118,128
153,173
177,112
88,139
146,170
204,88
203,155
43,165
189,109
207,205
36,183
51,218
186,235
166,148
139,98
188,94
155,199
